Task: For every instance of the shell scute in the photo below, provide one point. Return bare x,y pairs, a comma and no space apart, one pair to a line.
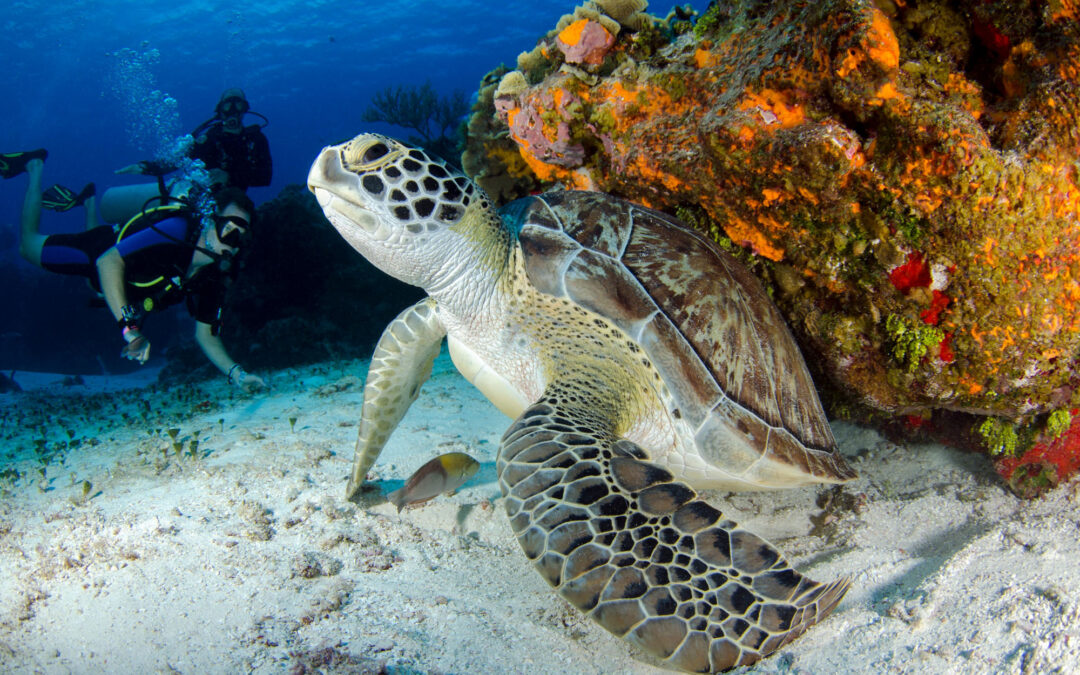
596,282
704,321
557,250
593,223
688,378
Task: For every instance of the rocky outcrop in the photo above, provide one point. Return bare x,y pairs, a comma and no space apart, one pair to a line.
903,175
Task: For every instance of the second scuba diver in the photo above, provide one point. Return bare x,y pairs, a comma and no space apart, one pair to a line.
234,155
160,257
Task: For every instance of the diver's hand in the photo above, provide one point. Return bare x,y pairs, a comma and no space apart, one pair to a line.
253,383
149,167
218,178
138,347
246,381
130,168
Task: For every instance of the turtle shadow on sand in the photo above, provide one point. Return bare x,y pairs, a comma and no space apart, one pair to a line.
889,598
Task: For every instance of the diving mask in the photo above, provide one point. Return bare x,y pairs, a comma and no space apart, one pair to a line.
231,230
232,110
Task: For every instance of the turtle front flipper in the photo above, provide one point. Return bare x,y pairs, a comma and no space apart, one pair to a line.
399,367
640,553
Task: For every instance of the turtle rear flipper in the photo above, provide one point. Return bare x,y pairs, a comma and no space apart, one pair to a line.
640,553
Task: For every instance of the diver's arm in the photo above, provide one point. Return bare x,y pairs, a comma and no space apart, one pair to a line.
214,349
148,167
110,267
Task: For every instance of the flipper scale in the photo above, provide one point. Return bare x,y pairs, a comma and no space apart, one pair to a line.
642,554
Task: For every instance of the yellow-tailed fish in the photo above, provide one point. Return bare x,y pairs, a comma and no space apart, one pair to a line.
444,474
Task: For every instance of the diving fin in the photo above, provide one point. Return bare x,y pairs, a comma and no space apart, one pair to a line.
14,163
60,198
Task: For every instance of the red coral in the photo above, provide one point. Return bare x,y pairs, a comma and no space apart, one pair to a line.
945,352
913,423
932,315
991,37
1060,455
912,274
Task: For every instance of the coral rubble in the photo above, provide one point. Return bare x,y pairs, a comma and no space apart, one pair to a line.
905,174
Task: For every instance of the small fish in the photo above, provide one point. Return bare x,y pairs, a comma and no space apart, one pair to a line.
442,475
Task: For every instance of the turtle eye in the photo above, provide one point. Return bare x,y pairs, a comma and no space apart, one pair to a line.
375,152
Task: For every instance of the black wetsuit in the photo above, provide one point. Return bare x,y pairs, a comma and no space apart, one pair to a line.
244,156
155,262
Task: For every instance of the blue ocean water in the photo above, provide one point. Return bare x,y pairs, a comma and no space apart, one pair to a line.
104,84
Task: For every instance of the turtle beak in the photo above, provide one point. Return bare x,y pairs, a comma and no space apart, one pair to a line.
327,175
336,188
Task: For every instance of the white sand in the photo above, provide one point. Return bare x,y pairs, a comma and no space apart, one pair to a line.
249,559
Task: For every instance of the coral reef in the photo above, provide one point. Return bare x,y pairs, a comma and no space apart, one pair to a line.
905,175
491,158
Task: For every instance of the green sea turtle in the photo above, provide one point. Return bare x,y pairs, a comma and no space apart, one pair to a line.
637,360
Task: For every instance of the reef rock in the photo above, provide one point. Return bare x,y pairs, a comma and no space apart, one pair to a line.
905,176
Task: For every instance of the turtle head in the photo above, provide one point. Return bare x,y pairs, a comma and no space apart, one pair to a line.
394,203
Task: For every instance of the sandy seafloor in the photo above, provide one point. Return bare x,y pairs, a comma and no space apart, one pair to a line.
246,558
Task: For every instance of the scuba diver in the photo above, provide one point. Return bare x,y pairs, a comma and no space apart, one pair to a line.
161,256
241,153
234,155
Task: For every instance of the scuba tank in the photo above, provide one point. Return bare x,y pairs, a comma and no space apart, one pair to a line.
149,217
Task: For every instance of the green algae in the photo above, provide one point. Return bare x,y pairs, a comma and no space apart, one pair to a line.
910,341
710,22
674,84
999,437
913,228
1058,423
